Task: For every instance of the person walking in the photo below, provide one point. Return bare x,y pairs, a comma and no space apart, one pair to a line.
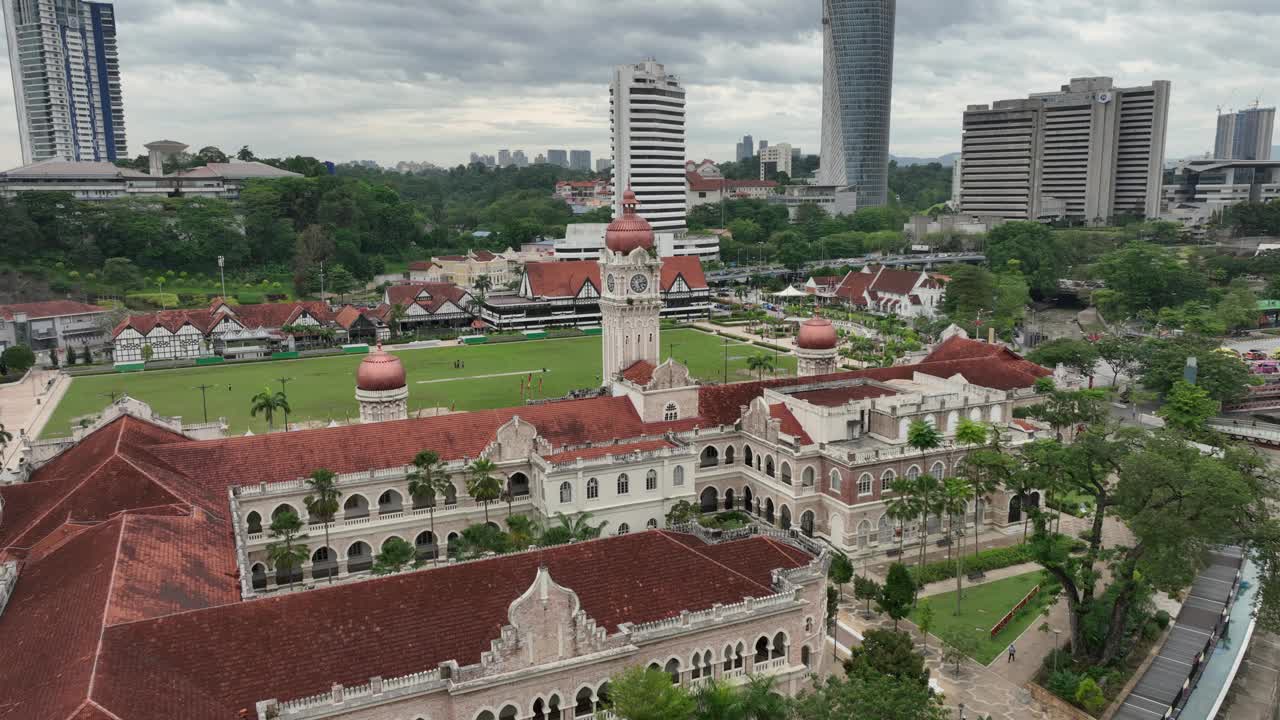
1013,653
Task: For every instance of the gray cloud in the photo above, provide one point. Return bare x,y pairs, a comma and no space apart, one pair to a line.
406,79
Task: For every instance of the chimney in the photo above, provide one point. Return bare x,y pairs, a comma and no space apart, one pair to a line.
991,335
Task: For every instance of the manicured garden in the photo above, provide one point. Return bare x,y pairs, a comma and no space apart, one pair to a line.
321,389
981,608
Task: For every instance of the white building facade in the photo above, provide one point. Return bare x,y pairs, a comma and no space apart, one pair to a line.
647,114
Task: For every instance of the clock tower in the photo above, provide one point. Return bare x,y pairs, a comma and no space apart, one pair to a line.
630,293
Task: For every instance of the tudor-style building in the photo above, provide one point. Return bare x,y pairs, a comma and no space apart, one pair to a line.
428,305
233,331
878,289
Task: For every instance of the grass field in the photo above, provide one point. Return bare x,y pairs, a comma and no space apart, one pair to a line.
981,608
321,389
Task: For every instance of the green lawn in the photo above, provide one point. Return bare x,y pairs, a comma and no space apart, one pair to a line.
982,606
324,388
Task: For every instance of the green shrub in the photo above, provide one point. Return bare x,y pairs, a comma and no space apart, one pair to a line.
17,359
248,298
770,346
1162,619
1063,683
151,300
1089,696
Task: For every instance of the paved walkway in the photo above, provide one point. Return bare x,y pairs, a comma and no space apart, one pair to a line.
1255,692
25,407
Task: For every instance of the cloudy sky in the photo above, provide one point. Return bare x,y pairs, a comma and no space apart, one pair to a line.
392,80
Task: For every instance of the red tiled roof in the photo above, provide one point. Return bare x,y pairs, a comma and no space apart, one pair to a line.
790,425
687,266
346,317
483,255
422,265
721,404
274,315
561,279
407,623
853,287
898,282
281,456
48,308
639,372
833,397
440,292
451,258
606,450
171,320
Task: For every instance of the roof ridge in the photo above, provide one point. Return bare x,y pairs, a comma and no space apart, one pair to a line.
666,534
106,605
777,547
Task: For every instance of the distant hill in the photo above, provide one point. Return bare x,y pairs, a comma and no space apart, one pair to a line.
945,160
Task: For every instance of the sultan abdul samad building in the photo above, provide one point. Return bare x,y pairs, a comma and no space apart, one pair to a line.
135,582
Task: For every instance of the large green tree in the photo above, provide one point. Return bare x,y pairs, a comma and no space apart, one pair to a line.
1029,248
644,694
1225,377
1147,277
883,697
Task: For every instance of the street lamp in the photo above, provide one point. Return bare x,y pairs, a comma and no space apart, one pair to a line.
283,381
222,261
1056,634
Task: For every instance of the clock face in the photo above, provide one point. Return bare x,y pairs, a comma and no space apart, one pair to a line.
639,283
613,286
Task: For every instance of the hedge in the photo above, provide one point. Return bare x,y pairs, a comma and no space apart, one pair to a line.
990,559
769,346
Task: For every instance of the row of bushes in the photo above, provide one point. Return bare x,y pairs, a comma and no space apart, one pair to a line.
1094,687
770,346
984,561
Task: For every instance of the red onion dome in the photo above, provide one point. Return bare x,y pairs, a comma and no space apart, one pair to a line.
816,333
380,370
630,231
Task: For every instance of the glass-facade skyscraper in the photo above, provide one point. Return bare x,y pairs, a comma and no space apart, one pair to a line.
857,88
66,79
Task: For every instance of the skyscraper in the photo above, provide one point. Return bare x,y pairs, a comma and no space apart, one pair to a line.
857,87
646,109
746,149
504,158
66,79
580,159
1089,152
558,157
1245,135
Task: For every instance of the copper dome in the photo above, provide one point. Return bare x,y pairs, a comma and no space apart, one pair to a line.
816,333
630,231
380,370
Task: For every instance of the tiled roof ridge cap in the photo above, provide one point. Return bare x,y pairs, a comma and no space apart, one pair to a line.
666,534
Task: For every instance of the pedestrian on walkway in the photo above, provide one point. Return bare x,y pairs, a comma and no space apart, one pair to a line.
1013,653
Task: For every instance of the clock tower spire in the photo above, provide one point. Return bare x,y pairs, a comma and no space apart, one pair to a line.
630,296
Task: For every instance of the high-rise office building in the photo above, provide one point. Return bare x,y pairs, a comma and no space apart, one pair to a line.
504,158
857,87
580,159
775,159
66,79
646,110
1245,135
519,159
558,157
1088,152
745,149
603,164
539,159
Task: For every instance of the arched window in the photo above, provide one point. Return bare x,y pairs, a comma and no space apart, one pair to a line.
593,489
762,650
804,655
728,455
389,502
509,712
652,524
746,455
835,480
651,480
566,492
887,479
355,506
975,414
258,575
359,556
710,456
671,412
786,472
624,484
779,645
623,528
677,475
728,658
254,521
997,413
808,625
281,509
939,470
425,544
768,465
913,472
806,477
673,669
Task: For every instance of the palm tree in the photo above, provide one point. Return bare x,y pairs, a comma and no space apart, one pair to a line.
955,496
760,362
759,701
570,529
523,530
482,286
482,485
902,507
396,555
923,437
970,433
928,492
287,555
267,402
718,700
396,316
322,504
428,481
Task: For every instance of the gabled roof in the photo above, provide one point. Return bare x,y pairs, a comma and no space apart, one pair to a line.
639,372
561,279
853,288
688,267
790,425
408,623
282,456
48,308
421,265
171,320
898,282
439,293
274,315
